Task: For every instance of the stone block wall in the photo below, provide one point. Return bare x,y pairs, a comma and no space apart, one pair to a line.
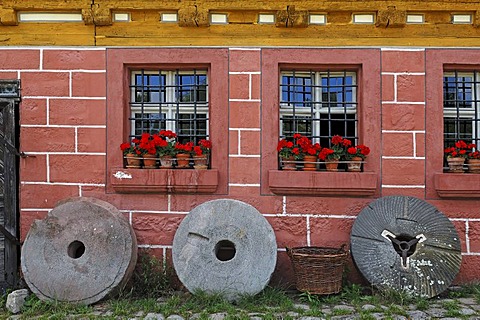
63,119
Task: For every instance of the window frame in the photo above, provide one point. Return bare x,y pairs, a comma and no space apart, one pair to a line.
120,64
440,184
315,114
469,115
366,64
167,103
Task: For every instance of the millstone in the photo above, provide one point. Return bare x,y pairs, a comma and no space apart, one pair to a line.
406,244
225,246
83,251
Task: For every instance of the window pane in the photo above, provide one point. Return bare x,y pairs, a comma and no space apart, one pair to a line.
458,91
296,90
302,125
149,88
191,127
337,124
149,122
191,87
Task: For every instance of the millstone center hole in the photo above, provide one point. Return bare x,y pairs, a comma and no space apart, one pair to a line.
76,249
225,250
403,245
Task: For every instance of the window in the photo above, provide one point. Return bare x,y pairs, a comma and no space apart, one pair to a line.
170,100
320,93
461,107
179,89
318,105
453,83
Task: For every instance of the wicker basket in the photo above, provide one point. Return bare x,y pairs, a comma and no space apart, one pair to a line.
318,270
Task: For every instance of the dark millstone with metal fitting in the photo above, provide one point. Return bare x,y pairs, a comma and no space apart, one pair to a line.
225,246
83,251
406,244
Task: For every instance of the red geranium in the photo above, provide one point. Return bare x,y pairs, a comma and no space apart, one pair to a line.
474,155
460,150
184,147
361,151
298,148
338,148
128,148
203,147
326,154
168,134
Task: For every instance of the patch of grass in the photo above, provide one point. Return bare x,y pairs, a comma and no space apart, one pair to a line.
452,307
395,309
211,303
312,299
395,297
34,307
472,289
340,312
366,315
267,299
150,277
422,304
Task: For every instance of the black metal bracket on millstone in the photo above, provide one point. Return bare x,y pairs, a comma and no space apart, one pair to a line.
406,244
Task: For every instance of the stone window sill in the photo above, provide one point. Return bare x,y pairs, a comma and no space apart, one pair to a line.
164,180
457,185
318,183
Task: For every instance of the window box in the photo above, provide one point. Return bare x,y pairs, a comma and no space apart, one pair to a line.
457,185
164,180
322,183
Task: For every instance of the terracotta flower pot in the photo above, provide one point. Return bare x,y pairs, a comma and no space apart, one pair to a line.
288,163
309,163
355,164
331,165
200,162
456,164
473,165
149,161
166,162
133,160
183,160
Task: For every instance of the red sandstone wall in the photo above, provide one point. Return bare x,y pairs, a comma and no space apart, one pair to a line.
63,130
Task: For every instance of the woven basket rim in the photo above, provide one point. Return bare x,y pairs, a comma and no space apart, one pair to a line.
322,251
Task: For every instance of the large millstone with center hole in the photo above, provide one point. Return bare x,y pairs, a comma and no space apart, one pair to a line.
406,244
226,247
83,251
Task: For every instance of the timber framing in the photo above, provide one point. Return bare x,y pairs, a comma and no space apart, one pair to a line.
291,27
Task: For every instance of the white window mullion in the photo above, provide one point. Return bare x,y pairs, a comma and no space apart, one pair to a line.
170,99
317,98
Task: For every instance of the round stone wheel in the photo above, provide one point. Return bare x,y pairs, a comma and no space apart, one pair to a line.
226,247
83,251
405,244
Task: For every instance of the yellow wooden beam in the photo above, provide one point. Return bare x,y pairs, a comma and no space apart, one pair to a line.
291,28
